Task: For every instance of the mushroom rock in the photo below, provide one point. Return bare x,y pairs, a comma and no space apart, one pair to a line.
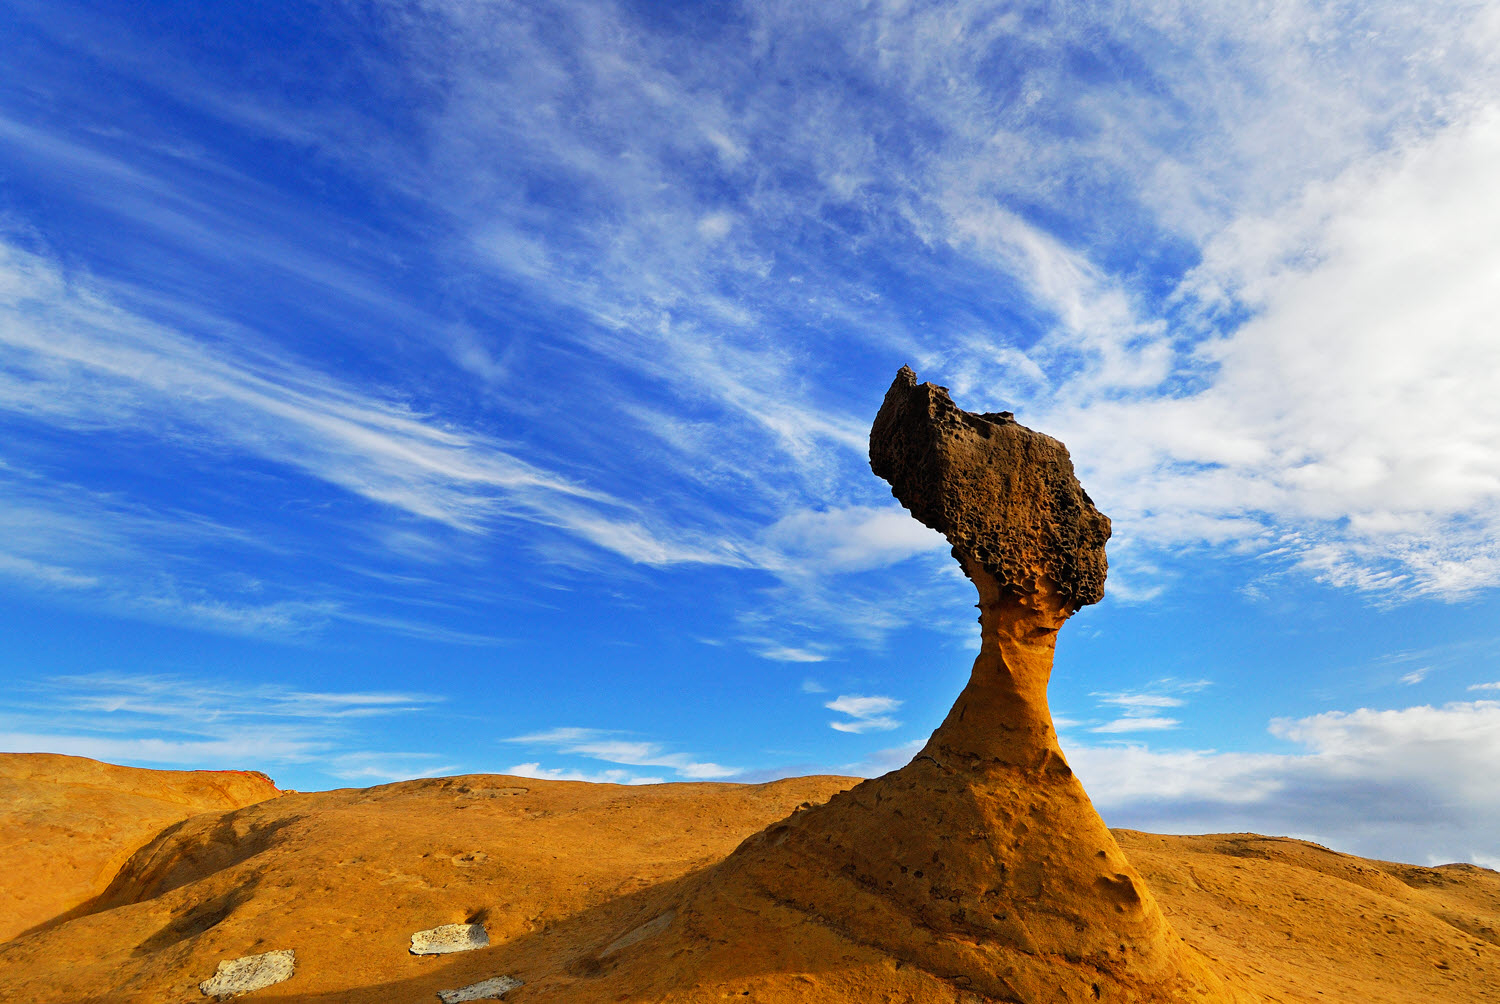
983,861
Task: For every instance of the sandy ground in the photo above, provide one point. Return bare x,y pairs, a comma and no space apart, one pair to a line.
151,882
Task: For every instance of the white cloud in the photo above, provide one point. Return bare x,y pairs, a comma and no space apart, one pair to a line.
1136,702
240,749
861,725
1329,431
76,359
1143,710
42,573
1416,676
1295,152
172,721
811,686
715,226
1485,686
866,714
885,760
183,700
849,539
598,744
1137,723
787,653
862,707
535,769
376,768
1412,784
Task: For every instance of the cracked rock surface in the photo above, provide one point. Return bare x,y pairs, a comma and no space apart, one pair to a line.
251,972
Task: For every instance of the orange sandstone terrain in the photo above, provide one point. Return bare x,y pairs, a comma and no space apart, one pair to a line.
978,872
572,881
67,824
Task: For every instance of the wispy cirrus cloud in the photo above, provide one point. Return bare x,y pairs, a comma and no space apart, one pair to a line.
173,698
373,767
1145,710
175,721
77,360
161,564
787,653
535,769
1137,723
865,713
611,747
1187,418
124,370
848,539
716,236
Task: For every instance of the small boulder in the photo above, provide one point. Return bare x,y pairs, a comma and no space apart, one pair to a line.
450,938
490,989
252,972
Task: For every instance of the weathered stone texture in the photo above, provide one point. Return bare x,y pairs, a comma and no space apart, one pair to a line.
251,972
491,989
1004,495
450,938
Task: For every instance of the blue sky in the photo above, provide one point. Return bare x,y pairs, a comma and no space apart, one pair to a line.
403,389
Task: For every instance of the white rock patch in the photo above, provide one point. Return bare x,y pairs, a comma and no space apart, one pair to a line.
450,938
495,986
240,976
649,929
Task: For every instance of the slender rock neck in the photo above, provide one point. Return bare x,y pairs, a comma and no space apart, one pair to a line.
1002,714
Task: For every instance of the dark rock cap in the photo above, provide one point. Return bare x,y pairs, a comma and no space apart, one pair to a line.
1005,496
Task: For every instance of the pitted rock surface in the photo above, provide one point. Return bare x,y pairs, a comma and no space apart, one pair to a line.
450,938
252,972
982,859
1004,495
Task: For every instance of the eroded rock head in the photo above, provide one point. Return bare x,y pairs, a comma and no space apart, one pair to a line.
1005,496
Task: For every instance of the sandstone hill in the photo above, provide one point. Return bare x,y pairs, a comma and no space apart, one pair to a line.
67,824
978,872
561,872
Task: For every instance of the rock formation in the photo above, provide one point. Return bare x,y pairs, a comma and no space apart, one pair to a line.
978,872
983,860
586,890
